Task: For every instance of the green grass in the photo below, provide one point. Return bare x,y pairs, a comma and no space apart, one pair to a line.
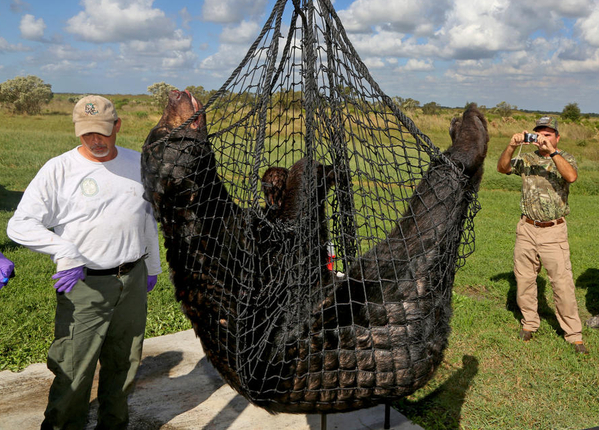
488,380
492,380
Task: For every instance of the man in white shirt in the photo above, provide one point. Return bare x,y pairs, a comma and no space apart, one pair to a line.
85,208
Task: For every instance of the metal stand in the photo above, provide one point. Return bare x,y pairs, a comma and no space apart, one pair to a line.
387,424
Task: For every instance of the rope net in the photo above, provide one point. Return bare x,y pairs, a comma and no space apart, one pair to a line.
298,157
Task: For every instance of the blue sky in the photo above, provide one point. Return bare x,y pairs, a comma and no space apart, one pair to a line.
451,52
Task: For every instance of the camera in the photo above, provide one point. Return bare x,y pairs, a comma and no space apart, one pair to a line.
530,137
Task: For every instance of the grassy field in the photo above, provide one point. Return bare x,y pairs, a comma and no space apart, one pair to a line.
488,380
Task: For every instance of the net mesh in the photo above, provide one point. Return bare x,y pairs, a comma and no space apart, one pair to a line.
312,231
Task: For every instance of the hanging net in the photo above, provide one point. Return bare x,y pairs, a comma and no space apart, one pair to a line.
312,231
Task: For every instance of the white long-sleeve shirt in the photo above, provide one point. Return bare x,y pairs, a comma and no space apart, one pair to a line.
88,213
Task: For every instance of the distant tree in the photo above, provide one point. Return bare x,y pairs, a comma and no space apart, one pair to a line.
410,104
74,99
504,109
287,99
398,100
25,94
431,108
198,92
571,112
159,92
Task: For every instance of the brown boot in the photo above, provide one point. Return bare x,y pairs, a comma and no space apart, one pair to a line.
580,348
525,335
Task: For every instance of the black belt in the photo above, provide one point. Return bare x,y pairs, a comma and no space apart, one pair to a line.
121,270
543,223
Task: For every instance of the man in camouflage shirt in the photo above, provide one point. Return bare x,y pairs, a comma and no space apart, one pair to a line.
542,233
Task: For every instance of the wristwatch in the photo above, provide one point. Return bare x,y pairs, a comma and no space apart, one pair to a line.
553,154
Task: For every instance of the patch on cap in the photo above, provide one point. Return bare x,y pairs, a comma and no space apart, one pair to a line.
90,109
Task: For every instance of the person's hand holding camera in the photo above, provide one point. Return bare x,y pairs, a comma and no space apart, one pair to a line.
523,138
545,145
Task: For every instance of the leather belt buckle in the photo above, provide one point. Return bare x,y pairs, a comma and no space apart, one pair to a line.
543,224
125,268
119,271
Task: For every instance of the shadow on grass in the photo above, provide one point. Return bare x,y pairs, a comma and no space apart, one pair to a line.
9,199
442,409
590,281
544,310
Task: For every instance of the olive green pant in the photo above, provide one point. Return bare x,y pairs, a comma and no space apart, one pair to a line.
102,318
549,246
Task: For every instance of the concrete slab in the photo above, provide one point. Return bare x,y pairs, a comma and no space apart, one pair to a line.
177,389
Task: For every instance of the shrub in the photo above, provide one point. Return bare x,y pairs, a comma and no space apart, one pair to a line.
118,104
199,93
571,112
431,108
410,104
504,109
75,99
159,92
25,94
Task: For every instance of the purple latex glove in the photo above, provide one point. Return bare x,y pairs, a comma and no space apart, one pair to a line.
152,282
68,278
6,270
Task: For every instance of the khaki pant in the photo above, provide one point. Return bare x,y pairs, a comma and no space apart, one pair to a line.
103,318
549,246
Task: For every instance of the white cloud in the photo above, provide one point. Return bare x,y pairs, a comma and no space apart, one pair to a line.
179,61
158,47
459,29
227,57
31,28
383,43
419,17
481,29
119,21
232,11
148,39
244,32
64,60
65,66
374,62
68,52
588,27
5,46
414,65
235,41
568,8
163,54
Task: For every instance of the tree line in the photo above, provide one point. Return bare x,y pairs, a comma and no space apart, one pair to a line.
29,94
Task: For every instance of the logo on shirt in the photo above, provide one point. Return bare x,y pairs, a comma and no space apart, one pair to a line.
89,187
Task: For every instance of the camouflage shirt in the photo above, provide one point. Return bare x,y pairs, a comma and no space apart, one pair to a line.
544,191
